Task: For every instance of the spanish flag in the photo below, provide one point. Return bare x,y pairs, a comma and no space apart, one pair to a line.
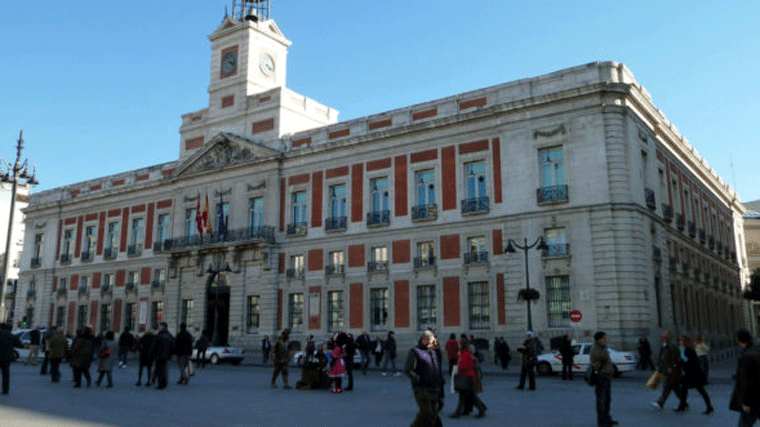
205,215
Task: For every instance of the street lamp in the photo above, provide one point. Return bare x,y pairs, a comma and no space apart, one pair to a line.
14,174
540,245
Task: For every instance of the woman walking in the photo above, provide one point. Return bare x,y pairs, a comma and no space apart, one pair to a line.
703,350
693,376
468,395
337,364
106,359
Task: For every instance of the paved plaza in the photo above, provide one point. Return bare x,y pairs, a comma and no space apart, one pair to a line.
240,396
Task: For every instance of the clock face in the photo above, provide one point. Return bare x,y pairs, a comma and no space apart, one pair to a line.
266,63
229,62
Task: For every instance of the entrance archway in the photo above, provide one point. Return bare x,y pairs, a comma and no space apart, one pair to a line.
218,308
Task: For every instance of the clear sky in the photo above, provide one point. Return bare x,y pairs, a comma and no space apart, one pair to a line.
99,87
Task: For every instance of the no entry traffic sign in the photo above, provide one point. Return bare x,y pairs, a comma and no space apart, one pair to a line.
576,316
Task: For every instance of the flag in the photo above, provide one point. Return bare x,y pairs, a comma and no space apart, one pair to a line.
222,221
206,220
198,218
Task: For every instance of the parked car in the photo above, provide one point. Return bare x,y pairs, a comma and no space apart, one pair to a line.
299,357
217,354
549,363
23,352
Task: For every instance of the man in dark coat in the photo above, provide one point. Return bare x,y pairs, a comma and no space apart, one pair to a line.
81,356
184,350
266,348
126,344
567,353
364,344
145,348
8,342
280,357
746,396
46,349
163,348
201,346
35,338
669,364
599,358
528,351
57,347
505,356
424,367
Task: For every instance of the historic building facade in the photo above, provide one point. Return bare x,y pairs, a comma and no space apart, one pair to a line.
398,220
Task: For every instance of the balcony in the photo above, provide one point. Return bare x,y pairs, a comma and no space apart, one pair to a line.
725,251
87,256
334,270
134,250
297,229
702,236
157,285
657,255
62,291
710,241
553,194
667,212
109,253
480,257
719,248
556,250
83,290
247,235
377,266
685,267
650,199
336,223
378,218
106,290
706,277
697,273
31,293
421,262
162,246
680,222
294,273
424,212
475,205
65,259
692,229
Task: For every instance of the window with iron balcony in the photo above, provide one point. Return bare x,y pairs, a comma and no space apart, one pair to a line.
702,236
294,273
376,266
297,229
86,256
555,250
134,250
65,258
476,257
680,222
62,291
35,262
424,212
334,270
692,229
424,262
552,194
335,223
83,290
109,253
105,290
378,218
710,241
667,212
650,199
475,205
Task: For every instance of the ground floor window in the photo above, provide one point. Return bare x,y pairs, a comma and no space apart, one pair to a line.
480,317
254,313
60,316
187,313
106,313
378,300
157,314
335,311
81,316
426,307
558,300
130,316
295,312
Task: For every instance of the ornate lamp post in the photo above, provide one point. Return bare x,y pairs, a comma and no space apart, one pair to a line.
527,294
15,174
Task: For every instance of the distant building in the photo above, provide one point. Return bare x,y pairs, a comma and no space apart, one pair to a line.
17,239
398,220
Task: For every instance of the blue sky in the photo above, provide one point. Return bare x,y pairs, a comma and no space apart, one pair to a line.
99,87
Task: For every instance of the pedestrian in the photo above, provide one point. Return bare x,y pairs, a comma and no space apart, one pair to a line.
745,398
468,370
567,352
505,356
184,349
669,365
126,344
452,351
527,369
693,377
57,345
280,357
496,350
163,348
338,362
8,342
46,349
364,344
348,360
34,346
314,364
107,359
200,349
145,349
702,350
645,354
599,358
266,348
389,348
423,367
81,356
378,351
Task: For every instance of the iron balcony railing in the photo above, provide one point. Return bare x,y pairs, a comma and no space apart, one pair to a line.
294,273
62,291
672,263
83,290
553,194
475,205
105,290
710,241
336,223
657,255
680,222
162,245
35,262
684,267
134,250
65,258
87,256
378,218
157,284
650,199
109,253
556,250
376,266
667,212
692,229
424,212
334,270
130,287
240,235
424,262
297,229
31,293
476,257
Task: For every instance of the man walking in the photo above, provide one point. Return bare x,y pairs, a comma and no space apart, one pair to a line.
184,350
599,358
7,342
34,346
57,348
162,352
528,351
389,348
364,344
567,353
669,365
45,347
145,347
423,367
349,361
126,344
280,357
746,396
266,348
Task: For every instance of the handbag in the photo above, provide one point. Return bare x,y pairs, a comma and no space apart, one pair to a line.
104,354
654,381
591,376
190,368
463,384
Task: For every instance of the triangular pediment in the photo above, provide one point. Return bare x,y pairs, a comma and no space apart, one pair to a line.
223,151
227,22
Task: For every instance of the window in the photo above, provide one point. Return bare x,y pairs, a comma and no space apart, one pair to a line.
191,226
138,236
106,315
476,250
159,277
254,313
81,316
335,311
89,243
84,284
425,254
479,311
163,228
426,307
477,194
222,215
295,312
378,300
426,207
130,316
157,314
187,316
256,212
299,207
379,260
60,316
39,246
67,245
336,259
63,284
556,242
379,194
296,266
558,300
108,281
338,201
132,279
112,240
552,167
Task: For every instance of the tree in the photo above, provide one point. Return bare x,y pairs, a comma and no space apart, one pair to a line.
753,290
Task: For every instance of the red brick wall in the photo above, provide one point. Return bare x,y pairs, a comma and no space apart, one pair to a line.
422,156
356,256
500,299
400,185
70,320
473,147
498,244
357,193
450,246
228,101
262,126
145,276
120,277
193,143
96,278
281,263
339,133
401,251
448,175
496,149
316,199
299,142
94,314
336,172
356,317
477,102
401,302
451,301
379,164
149,226
298,179
380,124
424,114
74,282
315,260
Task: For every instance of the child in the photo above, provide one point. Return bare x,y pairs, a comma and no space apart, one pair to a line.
337,366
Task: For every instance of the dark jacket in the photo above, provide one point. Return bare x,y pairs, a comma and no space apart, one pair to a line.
35,337
280,353
390,345
266,346
669,363
747,388
692,370
126,340
184,343
599,357
7,342
145,347
363,343
202,344
81,352
163,346
423,367
528,350
566,350
57,344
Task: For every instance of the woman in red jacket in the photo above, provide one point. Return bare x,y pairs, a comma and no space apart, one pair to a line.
468,368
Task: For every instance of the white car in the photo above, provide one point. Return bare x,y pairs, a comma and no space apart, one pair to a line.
552,362
21,354
216,354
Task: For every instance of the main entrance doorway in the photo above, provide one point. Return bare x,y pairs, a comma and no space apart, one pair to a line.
218,310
